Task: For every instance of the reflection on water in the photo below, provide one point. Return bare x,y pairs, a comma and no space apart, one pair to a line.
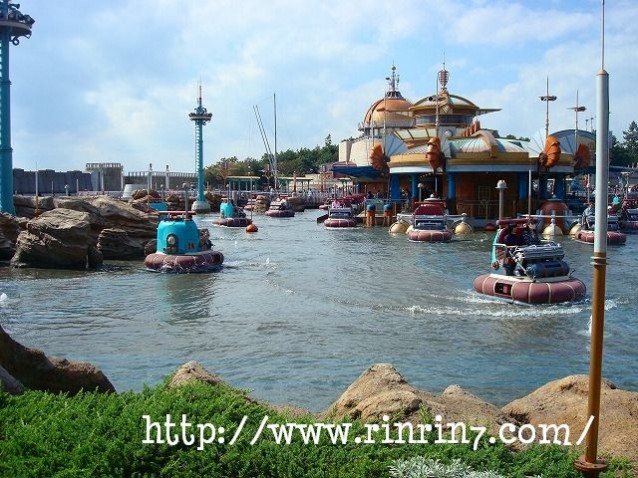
298,312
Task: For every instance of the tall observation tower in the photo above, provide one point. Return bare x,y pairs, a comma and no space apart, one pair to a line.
200,116
13,25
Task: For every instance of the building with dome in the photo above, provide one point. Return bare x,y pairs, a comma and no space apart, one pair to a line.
384,117
437,146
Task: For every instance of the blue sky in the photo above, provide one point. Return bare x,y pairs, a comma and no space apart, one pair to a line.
114,81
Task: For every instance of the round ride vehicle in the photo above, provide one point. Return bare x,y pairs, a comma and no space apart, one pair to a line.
429,223
181,248
280,208
628,222
231,215
585,233
527,269
340,217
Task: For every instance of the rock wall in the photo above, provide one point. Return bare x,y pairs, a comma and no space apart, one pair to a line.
75,233
31,368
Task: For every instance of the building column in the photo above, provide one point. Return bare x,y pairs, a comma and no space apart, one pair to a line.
395,188
523,180
559,187
451,192
451,186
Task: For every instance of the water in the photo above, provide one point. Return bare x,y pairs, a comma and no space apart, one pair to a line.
299,312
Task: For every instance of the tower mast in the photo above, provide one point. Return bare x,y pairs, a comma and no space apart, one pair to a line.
200,116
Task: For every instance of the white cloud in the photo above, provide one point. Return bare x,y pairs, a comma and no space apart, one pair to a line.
114,81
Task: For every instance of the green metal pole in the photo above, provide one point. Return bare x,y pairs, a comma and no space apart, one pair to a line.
6,152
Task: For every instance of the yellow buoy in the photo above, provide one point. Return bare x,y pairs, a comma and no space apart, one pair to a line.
463,228
552,230
398,227
576,228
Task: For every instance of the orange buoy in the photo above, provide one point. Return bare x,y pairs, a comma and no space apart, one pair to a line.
251,228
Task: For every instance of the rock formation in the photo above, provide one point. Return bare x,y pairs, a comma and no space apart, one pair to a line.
9,231
381,390
117,230
564,401
36,371
193,371
262,203
59,239
115,244
9,384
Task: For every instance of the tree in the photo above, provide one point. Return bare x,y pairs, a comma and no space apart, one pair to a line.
617,153
631,142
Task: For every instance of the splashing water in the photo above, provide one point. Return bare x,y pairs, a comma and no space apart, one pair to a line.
589,324
3,297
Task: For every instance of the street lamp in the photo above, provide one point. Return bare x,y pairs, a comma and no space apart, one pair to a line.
501,186
547,98
577,109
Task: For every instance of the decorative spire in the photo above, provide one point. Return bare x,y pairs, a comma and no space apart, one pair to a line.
443,76
393,85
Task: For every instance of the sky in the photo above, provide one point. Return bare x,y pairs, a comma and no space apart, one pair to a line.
114,81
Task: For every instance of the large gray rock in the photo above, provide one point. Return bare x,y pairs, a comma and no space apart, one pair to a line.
122,215
193,371
9,226
115,244
59,239
31,206
382,391
9,384
9,231
564,401
116,230
36,371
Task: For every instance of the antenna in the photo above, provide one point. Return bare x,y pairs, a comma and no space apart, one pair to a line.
602,56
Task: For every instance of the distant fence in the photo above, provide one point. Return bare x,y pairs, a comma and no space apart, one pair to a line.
50,182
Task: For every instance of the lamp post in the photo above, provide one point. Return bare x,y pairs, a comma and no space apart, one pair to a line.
577,109
547,98
501,186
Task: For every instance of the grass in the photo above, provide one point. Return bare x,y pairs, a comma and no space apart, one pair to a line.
100,435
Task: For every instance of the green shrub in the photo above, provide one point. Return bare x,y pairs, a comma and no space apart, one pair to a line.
100,435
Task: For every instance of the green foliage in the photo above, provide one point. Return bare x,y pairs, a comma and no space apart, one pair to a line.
420,467
625,153
101,435
289,163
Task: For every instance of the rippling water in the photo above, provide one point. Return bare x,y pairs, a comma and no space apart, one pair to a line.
298,312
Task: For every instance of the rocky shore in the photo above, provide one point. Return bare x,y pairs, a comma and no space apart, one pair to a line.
380,391
75,233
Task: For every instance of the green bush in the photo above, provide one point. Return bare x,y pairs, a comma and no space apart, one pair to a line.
100,435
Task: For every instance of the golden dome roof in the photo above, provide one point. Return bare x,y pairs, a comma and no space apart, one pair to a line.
391,112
